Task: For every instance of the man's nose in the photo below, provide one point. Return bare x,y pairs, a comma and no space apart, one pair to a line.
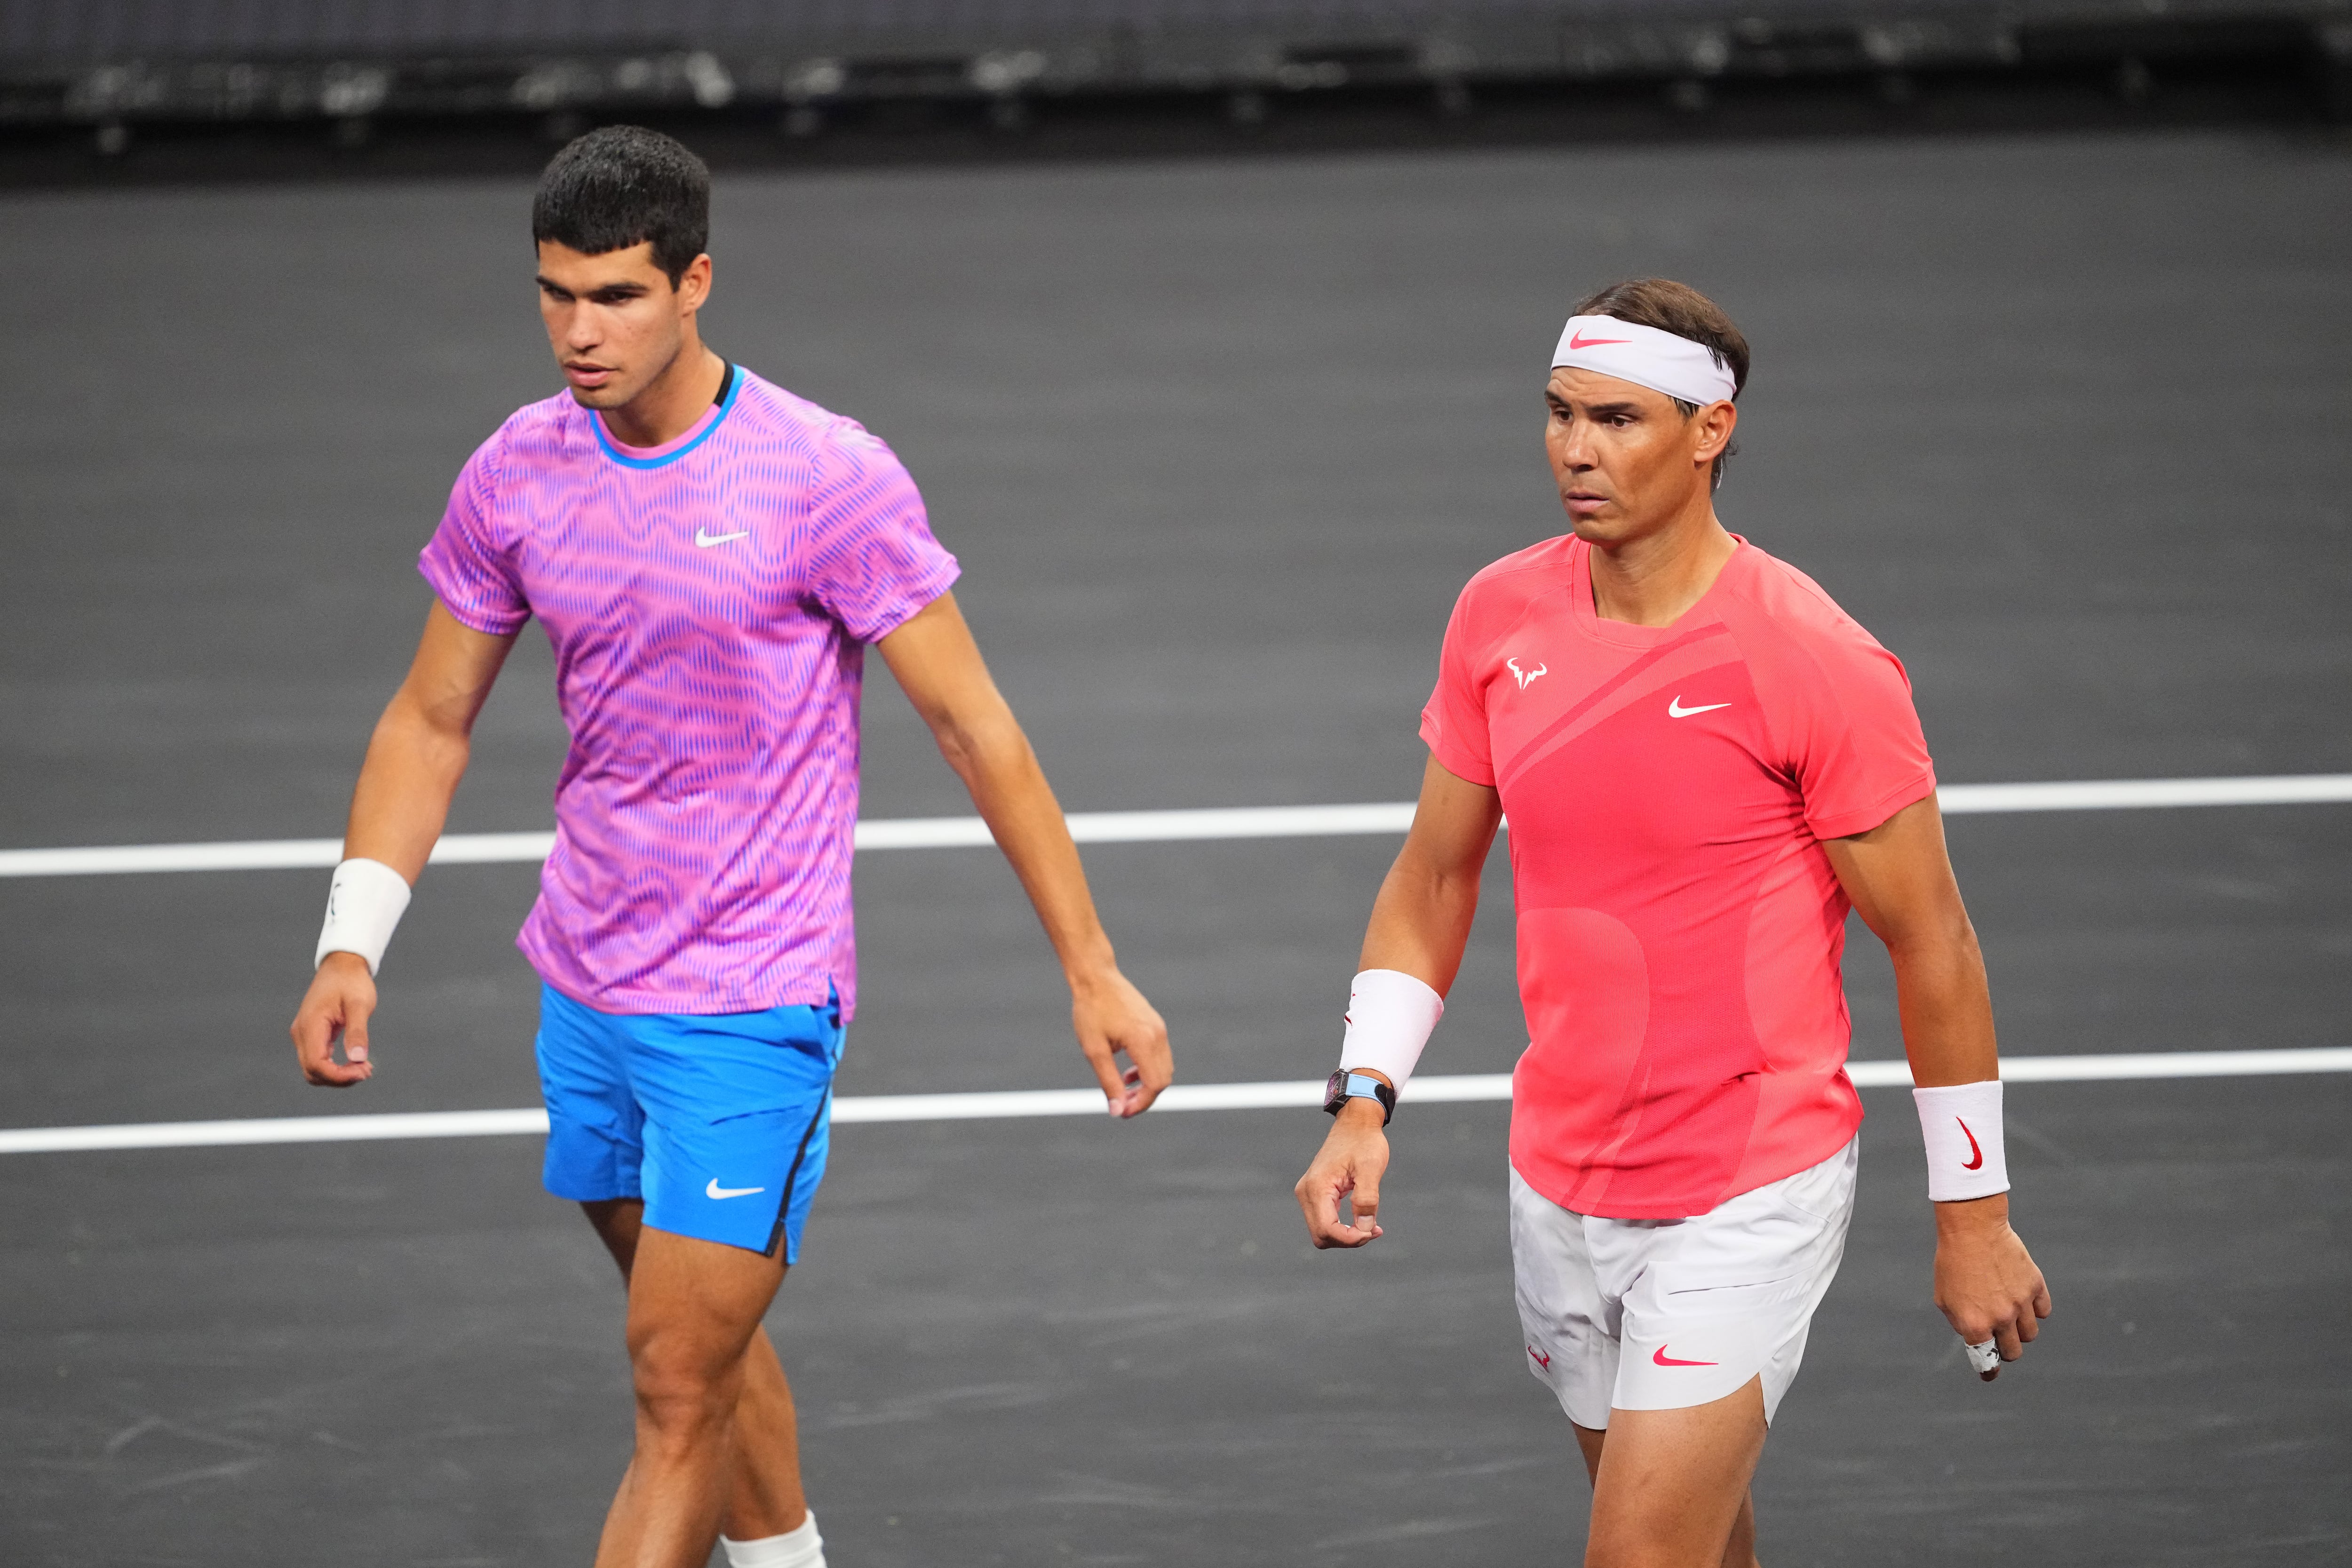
1577,450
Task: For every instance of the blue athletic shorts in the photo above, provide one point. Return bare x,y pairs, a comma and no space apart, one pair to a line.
718,1122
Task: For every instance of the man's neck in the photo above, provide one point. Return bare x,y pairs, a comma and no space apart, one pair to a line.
1652,580
672,401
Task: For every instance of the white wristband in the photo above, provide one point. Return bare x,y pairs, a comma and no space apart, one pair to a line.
1962,1126
1390,1016
364,902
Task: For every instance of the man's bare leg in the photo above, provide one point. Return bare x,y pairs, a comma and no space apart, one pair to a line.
763,1491
1670,1487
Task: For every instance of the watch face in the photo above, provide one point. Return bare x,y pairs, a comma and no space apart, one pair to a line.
1335,1095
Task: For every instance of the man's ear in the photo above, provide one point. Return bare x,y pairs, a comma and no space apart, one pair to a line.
694,283
1716,421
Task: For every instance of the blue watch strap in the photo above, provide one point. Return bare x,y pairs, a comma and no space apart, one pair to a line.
1362,1085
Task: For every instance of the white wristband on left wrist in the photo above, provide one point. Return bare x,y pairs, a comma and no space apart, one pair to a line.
1965,1156
1390,1016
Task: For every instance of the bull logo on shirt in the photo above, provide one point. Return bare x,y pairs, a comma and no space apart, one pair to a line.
1523,676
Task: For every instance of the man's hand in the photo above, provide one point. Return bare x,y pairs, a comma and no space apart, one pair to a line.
1986,1282
1349,1164
340,999
1110,1015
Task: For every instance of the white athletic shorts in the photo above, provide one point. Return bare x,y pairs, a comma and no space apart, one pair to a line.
1660,1314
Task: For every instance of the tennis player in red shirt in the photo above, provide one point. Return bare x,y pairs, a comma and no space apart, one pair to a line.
1706,763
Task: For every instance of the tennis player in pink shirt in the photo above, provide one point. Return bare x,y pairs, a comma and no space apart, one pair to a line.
711,556
1706,763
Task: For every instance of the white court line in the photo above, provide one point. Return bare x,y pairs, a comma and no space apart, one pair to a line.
1152,826
1296,1093
2135,794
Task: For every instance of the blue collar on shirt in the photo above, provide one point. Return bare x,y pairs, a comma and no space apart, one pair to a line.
727,396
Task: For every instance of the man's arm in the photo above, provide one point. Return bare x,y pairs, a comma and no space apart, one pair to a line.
1420,925
413,763
1900,879
939,668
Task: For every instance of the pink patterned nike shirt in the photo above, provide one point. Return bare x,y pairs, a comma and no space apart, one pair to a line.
709,602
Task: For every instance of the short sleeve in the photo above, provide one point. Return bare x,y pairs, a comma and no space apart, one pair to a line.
1454,724
468,567
1855,746
873,562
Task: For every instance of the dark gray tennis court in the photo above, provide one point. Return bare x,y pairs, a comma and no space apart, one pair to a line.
2062,419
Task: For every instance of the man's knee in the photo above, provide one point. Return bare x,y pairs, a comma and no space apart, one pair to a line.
685,1380
1669,1537
1635,1538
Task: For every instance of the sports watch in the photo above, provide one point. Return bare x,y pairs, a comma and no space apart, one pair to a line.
1346,1086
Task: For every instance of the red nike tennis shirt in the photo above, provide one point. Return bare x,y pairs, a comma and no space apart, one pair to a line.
1680,929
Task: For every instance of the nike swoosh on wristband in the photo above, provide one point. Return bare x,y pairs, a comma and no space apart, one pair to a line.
1674,709
1977,1162
1581,341
1663,1359
706,539
715,1190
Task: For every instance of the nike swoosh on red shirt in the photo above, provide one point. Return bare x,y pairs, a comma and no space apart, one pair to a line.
1977,1161
1581,342
1663,1359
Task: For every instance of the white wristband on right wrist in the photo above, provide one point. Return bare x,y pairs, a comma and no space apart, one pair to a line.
1961,1124
364,903
1390,1016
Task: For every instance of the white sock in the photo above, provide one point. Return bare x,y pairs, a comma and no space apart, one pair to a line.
802,1548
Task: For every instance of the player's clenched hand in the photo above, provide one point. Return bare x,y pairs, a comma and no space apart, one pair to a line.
337,1005
1986,1282
1111,1016
1349,1164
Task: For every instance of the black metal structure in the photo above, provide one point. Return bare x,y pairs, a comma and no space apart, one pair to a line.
104,68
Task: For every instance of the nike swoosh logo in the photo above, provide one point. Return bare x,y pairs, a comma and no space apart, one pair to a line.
1977,1160
706,540
715,1190
1581,341
1676,710
1663,1359
1543,1358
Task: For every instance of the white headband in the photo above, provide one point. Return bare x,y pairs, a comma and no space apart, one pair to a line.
1645,356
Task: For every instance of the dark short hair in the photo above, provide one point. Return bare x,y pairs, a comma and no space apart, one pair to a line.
621,185
1679,309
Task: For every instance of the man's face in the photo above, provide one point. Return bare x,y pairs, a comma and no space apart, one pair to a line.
1626,461
615,319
